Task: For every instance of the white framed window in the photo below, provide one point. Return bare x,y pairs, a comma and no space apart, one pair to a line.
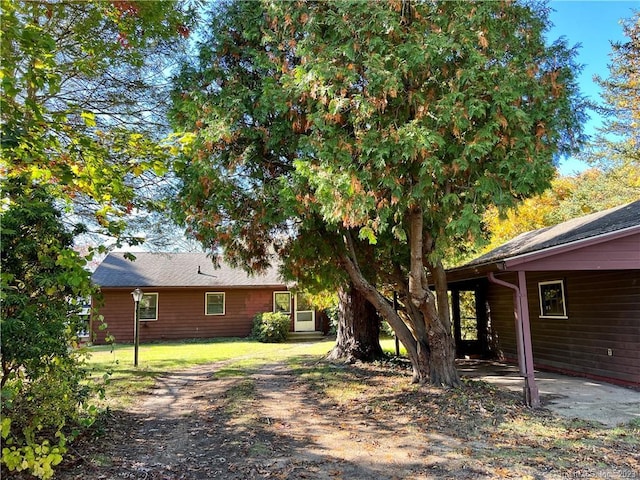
148,308
214,303
552,299
282,302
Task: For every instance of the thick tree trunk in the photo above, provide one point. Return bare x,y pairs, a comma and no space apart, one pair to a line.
442,367
433,308
441,340
418,351
358,328
421,362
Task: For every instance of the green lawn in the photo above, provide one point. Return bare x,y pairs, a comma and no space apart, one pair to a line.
126,381
389,347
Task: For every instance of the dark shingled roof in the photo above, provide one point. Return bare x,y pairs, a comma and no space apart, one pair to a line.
589,226
177,270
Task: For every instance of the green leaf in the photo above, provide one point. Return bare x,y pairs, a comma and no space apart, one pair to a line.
399,233
367,233
6,427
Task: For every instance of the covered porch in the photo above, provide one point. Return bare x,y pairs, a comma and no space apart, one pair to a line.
572,397
567,295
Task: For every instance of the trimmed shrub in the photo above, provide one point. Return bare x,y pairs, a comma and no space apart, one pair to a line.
269,327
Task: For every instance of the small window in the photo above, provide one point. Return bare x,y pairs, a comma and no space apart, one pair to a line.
303,303
552,299
148,307
214,303
282,302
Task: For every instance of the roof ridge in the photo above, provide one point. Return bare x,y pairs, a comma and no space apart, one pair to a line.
179,269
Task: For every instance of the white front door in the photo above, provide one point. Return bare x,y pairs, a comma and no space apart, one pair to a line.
304,315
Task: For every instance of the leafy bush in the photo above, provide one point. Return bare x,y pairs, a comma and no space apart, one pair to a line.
41,415
386,330
332,315
44,391
271,327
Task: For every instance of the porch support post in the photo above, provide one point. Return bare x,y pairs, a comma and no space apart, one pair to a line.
481,319
530,387
523,337
457,327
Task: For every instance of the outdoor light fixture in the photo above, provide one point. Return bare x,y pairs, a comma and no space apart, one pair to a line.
137,297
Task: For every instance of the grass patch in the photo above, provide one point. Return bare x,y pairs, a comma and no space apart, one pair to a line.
167,356
126,382
337,383
260,449
389,347
239,396
101,460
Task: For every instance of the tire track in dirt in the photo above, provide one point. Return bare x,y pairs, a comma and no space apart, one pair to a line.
330,442
197,425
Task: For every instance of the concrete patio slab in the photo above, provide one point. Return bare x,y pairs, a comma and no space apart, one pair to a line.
571,397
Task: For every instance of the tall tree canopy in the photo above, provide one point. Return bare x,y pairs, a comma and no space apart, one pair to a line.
78,131
372,136
618,140
79,106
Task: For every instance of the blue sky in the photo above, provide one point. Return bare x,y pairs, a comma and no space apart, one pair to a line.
594,25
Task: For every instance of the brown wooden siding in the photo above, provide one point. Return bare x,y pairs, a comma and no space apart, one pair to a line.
603,310
181,314
502,319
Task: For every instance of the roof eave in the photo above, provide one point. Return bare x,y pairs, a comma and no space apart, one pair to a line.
519,262
471,272
198,287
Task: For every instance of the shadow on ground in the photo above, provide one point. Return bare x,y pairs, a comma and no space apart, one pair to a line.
324,421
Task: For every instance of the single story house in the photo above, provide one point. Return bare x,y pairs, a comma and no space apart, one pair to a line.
185,296
563,298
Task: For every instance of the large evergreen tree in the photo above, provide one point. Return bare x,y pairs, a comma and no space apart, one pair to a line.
372,136
243,212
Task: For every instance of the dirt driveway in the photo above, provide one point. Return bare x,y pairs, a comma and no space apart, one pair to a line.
308,423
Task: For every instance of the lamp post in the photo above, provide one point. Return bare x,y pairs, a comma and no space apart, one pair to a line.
137,297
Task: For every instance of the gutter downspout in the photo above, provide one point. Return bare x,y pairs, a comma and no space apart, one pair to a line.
523,338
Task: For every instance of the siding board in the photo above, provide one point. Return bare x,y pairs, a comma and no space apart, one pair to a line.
603,310
616,254
181,314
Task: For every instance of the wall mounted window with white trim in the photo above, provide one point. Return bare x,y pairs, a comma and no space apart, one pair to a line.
148,308
282,302
552,299
214,303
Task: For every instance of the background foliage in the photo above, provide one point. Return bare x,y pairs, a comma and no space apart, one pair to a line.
614,153
80,140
